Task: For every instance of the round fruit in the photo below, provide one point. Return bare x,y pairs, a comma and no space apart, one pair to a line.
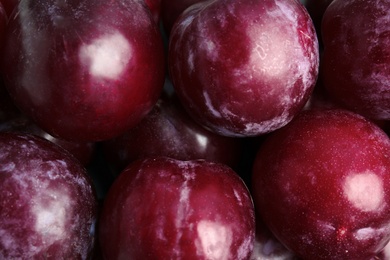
244,68
83,70
47,202
169,209
322,185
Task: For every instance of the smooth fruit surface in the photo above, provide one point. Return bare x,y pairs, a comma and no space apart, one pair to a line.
322,185
356,55
83,70
163,208
246,67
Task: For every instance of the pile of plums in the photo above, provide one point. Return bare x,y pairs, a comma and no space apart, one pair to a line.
195,129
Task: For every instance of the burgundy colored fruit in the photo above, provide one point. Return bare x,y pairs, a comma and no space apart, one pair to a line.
84,70
169,131
83,151
47,202
244,68
356,55
322,185
169,209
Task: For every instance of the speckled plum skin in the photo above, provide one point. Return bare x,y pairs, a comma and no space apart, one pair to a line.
164,208
168,131
322,185
47,202
356,55
246,67
84,70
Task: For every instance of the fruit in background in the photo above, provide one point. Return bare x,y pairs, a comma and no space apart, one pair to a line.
47,203
154,6
172,9
322,185
164,208
169,131
84,70
356,55
244,68
21,124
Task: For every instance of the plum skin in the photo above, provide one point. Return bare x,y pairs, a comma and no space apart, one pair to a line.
168,131
48,206
83,70
322,185
243,68
163,208
356,56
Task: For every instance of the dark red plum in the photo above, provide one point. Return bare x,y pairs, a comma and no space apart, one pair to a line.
169,131
356,55
244,68
322,185
162,208
48,206
83,70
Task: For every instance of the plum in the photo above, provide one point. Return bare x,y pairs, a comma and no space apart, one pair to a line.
356,55
48,207
83,70
322,185
163,208
243,68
